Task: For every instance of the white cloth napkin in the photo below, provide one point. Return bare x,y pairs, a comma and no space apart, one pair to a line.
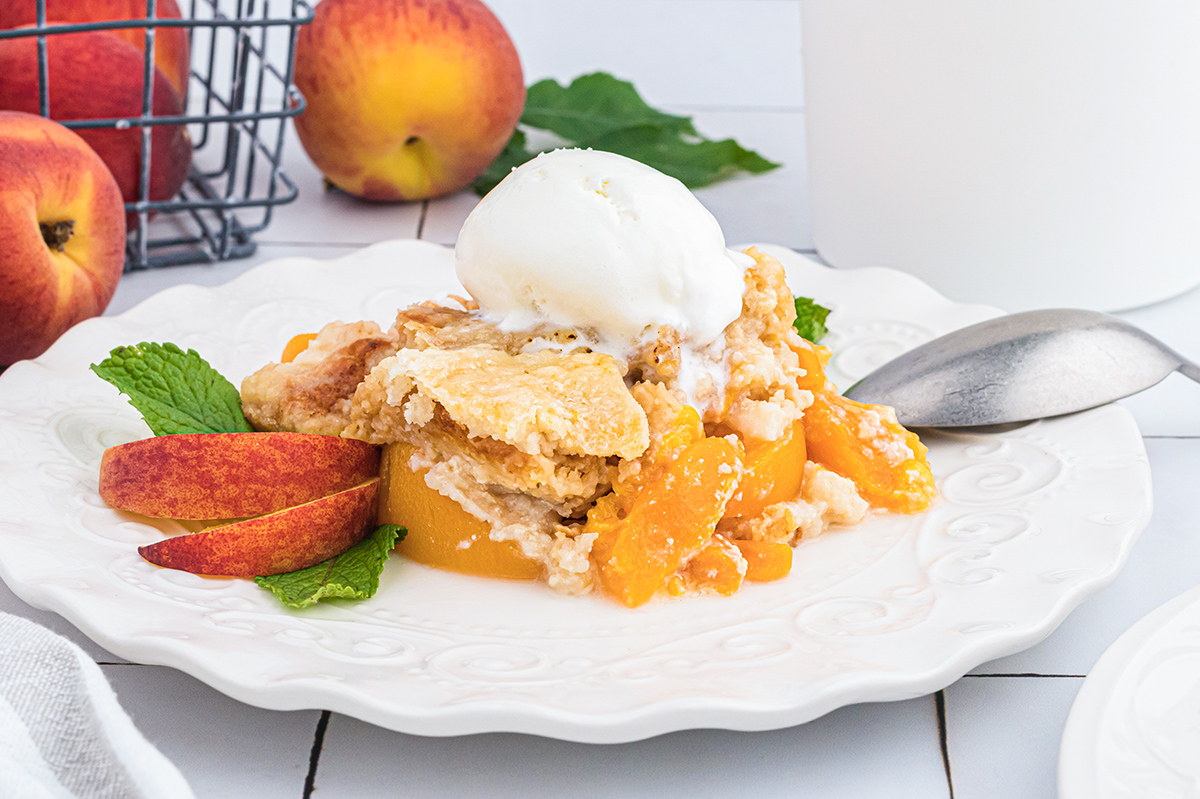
63,734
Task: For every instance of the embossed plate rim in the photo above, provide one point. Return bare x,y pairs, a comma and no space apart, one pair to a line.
872,636
1082,771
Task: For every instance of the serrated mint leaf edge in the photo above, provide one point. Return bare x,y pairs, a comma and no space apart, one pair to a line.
373,550
215,405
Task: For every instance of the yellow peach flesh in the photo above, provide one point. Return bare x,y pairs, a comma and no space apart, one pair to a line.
440,532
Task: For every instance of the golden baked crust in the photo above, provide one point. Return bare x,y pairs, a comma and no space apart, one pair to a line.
542,424
313,393
541,402
427,326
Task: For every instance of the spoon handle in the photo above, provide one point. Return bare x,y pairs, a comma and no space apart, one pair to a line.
1191,370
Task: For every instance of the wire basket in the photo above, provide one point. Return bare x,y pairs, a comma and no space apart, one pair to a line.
239,96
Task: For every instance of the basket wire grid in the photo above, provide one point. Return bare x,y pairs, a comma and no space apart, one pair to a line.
241,63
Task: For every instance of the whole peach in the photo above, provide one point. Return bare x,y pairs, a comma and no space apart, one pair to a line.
407,99
96,75
62,234
171,52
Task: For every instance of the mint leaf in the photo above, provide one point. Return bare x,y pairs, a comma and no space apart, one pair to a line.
176,391
601,112
592,106
810,319
354,574
694,163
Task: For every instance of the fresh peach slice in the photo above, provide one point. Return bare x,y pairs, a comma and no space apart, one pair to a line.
280,542
230,475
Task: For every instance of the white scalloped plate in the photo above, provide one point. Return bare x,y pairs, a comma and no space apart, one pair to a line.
1029,523
1133,731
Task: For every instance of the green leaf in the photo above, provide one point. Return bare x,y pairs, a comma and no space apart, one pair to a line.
512,156
695,163
594,105
810,319
176,391
354,574
605,113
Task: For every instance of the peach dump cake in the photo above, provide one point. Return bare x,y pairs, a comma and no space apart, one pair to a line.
622,405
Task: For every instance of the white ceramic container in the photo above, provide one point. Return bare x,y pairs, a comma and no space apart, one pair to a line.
1025,153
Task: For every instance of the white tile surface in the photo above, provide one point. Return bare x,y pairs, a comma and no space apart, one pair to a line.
704,53
1171,408
446,215
1003,733
880,750
223,748
1162,565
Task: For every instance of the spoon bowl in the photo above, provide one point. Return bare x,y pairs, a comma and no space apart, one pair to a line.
1021,367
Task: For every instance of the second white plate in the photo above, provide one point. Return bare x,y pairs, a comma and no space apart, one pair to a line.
1134,730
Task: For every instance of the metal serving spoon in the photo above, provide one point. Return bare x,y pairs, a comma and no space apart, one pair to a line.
1021,367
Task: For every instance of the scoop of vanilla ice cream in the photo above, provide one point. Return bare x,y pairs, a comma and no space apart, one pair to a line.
593,240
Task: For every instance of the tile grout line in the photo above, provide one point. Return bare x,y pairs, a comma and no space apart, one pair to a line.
314,755
421,221
1029,674
939,700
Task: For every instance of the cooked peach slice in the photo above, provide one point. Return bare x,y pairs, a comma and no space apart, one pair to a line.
279,542
685,429
671,516
813,360
866,444
440,532
230,475
718,566
295,346
765,560
774,473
